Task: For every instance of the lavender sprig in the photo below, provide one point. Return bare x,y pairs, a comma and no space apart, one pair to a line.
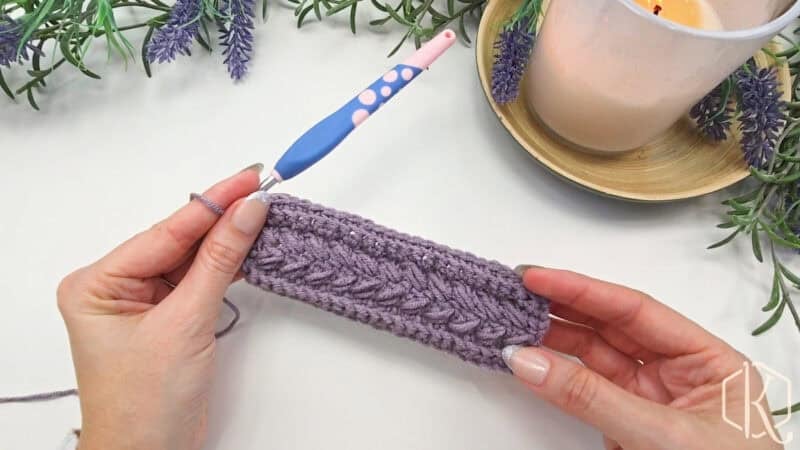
176,36
770,212
513,50
713,114
237,35
763,113
513,47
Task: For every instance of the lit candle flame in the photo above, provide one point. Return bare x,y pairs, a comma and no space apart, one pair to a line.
684,12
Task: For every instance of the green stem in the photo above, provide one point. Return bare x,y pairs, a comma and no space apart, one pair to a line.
142,5
793,310
763,201
784,411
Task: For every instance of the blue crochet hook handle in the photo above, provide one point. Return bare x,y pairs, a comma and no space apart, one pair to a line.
327,134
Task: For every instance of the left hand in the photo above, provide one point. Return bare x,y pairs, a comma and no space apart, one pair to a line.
143,352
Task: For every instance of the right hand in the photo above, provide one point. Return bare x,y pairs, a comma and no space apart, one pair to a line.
650,379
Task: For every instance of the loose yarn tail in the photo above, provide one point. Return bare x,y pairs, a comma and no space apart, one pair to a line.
55,395
40,397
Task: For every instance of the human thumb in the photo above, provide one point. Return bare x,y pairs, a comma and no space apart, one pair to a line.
582,393
219,257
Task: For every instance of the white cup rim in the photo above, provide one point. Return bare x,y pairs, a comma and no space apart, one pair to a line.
768,29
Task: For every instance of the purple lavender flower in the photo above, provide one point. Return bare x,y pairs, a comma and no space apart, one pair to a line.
763,113
10,36
711,115
237,35
176,36
513,48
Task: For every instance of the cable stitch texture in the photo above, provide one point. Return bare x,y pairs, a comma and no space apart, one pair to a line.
445,298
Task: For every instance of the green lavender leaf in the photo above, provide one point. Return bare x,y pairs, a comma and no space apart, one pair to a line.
775,295
396,16
300,6
780,240
71,57
31,100
773,319
316,5
204,41
462,29
728,239
341,6
756,240
302,15
145,61
4,86
790,275
399,44
784,411
36,63
378,5
106,23
353,17
39,17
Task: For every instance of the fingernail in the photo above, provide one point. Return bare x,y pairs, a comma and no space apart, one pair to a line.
520,269
526,363
257,168
250,215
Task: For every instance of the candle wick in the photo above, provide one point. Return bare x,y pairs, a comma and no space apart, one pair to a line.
657,9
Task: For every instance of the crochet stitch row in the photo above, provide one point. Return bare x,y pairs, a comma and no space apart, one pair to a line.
445,298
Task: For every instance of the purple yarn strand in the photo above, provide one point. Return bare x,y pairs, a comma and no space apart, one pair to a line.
55,395
448,299
41,397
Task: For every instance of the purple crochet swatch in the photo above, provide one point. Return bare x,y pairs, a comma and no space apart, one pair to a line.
445,298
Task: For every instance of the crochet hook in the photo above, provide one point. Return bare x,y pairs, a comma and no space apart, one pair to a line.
323,137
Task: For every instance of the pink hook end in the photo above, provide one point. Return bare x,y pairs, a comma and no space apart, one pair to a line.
434,48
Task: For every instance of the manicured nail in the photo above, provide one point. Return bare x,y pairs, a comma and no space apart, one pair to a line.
257,168
520,269
526,363
251,214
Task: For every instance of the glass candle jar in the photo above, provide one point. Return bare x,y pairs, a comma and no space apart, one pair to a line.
610,76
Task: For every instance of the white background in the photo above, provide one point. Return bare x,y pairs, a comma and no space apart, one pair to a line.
105,159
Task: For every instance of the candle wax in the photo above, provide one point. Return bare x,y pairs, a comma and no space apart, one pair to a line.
692,13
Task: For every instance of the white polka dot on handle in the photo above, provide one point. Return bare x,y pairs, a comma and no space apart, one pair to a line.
390,76
386,91
406,74
367,97
359,116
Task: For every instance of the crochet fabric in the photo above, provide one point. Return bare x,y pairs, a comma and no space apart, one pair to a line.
445,298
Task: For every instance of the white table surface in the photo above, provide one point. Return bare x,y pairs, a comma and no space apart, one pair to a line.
106,159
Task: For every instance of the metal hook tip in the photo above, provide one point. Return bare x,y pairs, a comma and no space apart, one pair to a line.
268,183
